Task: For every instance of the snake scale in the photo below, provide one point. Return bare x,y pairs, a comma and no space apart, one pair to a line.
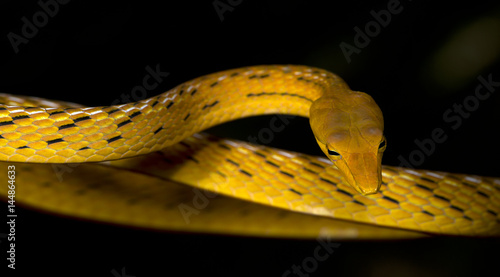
156,140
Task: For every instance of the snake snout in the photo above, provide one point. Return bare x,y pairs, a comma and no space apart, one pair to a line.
362,172
369,188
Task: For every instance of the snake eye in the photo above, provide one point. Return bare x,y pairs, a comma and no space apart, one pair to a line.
332,153
382,144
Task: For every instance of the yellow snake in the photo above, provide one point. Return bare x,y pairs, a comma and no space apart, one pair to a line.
348,127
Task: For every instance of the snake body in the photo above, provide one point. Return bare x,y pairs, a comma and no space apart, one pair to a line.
348,126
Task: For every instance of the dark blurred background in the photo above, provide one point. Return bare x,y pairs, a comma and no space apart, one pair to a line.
425,60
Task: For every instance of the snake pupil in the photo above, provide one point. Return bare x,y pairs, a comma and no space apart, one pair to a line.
333,153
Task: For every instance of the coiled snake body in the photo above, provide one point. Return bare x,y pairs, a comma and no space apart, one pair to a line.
348,126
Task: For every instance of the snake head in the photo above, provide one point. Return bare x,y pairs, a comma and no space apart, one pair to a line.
350,133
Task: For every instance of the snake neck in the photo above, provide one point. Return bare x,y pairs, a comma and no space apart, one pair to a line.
229,95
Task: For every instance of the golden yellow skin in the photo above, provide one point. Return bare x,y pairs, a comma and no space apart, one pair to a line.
146,193
421,201
349,122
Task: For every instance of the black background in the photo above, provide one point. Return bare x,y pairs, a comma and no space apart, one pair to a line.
92,53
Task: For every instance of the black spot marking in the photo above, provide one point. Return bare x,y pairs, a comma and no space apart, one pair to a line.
181,92
287,174
357,202
328,181
300,78
157,130
492,212
442,197
423,187
457,208
134,114
273,164
125,122
390,199
84,148
260,154
113,111
233,162
294,191
20,117
428,180
23,147
264,76
214,84
55,112
224,146
252,77
468,218
193,92
428,213
279,93
4,123
154,103
246,172
483,194
81,119
170,105
316,164
467,184
66,126
49,142
114,139
344,192
308,170
210,105
3,108
187,116
220,173
234,74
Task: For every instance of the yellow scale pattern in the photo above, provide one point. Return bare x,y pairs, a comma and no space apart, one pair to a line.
46,132
419,200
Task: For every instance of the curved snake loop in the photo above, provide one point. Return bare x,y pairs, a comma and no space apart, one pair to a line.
348,127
